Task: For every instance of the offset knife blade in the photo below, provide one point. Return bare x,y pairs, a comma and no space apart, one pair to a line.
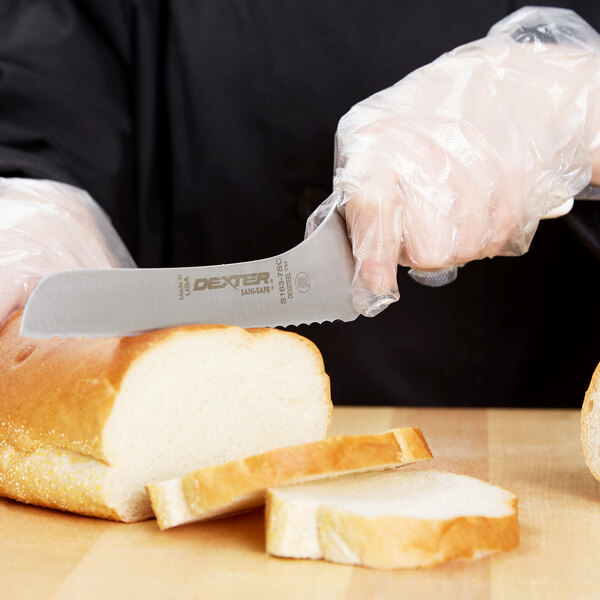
309,283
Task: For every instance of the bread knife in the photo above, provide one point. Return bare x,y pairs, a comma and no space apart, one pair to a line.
311,283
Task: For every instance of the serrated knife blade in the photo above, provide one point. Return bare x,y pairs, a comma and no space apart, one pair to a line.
311,283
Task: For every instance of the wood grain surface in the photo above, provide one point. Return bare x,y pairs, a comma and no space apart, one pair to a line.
534,453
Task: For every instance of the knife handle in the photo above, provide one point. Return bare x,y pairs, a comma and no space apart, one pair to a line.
441,277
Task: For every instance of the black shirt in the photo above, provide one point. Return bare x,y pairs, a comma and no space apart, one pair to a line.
206,131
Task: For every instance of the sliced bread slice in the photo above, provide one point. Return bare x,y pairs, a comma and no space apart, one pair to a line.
241,484
86,424
590,425
407,518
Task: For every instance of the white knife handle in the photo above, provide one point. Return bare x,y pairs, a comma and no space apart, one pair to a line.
441,277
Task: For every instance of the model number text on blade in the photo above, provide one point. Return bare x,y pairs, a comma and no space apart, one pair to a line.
284,281
244,283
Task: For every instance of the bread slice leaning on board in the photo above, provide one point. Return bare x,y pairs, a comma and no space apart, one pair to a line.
239,485
386,520
86,424
590,425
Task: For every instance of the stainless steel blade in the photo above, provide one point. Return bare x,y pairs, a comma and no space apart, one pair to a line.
309,283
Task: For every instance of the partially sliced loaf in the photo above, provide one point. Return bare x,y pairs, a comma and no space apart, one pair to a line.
386,520
86,424
590,425
241,484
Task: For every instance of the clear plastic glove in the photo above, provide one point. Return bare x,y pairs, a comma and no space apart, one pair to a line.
461,159
46,227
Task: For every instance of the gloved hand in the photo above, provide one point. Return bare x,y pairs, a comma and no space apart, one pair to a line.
46,227
461,159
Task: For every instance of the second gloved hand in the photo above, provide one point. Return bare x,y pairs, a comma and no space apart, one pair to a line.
47,227
461,159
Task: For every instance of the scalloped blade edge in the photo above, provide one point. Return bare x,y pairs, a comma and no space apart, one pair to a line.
311,283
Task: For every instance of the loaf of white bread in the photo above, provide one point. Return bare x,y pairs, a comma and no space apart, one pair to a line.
240,484
86,424
590,425
209,419
386,520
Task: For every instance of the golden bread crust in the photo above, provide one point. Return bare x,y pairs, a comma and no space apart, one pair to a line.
211,490
394,542
589,426
56,479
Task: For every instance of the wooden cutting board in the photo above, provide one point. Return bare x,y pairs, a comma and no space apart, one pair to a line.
534,453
